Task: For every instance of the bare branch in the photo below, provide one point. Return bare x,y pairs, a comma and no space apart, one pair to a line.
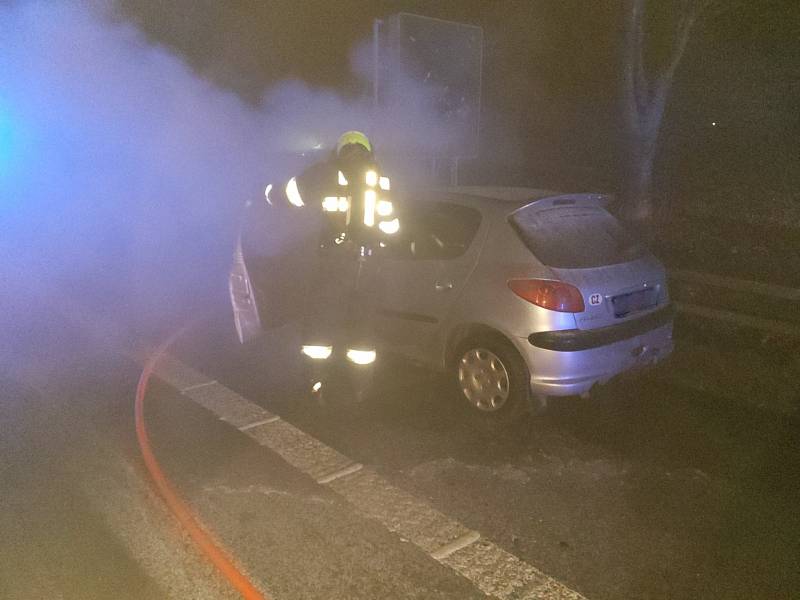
646,98
663,81
641,85
692,11
634,78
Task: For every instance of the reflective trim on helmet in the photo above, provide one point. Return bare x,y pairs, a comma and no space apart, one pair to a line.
353,137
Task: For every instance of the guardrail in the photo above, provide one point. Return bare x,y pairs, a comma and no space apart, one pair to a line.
746,338
740,285
769,308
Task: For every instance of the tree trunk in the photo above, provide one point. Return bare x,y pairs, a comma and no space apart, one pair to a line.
644,99
638,194
641,149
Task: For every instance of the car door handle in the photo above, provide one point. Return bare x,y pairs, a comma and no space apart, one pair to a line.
443,286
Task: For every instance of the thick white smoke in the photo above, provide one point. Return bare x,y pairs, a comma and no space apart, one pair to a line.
123,173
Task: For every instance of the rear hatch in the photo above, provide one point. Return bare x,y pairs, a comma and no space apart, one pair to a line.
585,246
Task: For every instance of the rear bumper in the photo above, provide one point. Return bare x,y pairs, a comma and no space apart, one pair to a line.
571,362
573,340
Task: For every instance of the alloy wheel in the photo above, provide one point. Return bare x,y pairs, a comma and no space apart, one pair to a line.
483,379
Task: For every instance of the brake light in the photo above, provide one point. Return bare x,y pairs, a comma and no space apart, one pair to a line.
552,295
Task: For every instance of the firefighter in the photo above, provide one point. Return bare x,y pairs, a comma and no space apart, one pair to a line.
352,199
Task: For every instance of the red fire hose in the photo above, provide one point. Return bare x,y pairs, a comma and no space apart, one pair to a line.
182,512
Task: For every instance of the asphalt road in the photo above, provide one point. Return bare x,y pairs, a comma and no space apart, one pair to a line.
658,487
79,518
66,462
680,483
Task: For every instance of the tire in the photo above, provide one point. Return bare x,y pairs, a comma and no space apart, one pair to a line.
491,380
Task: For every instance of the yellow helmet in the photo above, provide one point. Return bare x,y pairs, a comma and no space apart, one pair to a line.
353,137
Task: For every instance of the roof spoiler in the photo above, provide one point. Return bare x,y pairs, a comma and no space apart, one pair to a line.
584,199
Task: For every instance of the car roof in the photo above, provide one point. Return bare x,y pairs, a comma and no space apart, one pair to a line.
497,194
505,200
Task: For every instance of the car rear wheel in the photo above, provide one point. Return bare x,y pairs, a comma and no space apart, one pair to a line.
491,379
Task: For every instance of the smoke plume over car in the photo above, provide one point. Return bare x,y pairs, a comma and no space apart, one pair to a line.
123,173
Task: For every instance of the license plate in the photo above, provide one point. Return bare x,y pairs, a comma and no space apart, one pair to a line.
626,304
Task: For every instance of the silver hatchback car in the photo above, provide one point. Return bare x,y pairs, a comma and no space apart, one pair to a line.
521,294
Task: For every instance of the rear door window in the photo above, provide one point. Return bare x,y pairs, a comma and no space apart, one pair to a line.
575,237
436,231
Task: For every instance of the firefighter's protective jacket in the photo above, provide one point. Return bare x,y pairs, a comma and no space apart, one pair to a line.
355,200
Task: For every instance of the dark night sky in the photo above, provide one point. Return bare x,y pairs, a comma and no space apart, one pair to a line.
549,66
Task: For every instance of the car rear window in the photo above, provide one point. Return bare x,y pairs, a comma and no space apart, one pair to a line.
575,237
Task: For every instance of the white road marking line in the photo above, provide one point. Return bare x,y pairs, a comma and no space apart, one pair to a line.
491,569
299,449
177,374
228,405
500,574
198,386
399,511
354,468
259,423
456,545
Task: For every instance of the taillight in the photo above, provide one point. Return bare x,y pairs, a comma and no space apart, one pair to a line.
552,295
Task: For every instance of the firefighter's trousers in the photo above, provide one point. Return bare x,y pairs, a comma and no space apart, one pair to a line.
339,342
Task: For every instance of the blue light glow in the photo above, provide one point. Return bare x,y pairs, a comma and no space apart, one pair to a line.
7,140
